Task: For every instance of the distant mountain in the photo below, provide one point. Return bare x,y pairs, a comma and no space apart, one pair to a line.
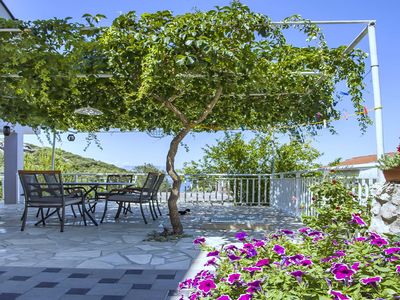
40,158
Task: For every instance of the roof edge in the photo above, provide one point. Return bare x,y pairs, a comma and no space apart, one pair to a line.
7,9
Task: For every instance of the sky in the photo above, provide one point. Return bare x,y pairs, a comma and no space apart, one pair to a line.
130,149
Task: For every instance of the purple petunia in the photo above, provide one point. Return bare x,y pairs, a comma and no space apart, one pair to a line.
305,262
390,251
213,253
259,243
244,297
262,262
340,253
233,277
339,296
371,280
342,272
199,240
252,269
224,297
398,269
241,236
207,285
254,286
296,258
211,262
355,266
279,250
304,229
297,273
233,257
379,242
356,219
230,247
288,232
360,239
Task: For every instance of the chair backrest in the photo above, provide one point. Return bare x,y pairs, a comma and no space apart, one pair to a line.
157,186
148,186
38,184
118,178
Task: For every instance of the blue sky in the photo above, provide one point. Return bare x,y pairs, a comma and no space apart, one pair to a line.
137,148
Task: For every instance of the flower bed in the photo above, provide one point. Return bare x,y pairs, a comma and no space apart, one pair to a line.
344,261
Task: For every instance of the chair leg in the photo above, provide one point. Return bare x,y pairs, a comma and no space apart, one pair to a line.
43,218
119,210
37,213
24,217
80,210
58,214
158,207
73,211
154,208
141,210
105,210
62,218
83,213
151,211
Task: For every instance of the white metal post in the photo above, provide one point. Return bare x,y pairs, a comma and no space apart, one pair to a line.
377,93
53,150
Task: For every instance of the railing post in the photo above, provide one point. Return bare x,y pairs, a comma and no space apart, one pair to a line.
259,189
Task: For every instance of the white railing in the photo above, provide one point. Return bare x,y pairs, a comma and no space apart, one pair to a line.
288,192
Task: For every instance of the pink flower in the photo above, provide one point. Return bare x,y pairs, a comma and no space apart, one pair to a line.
371,280
262,262
390,251
207,285
199,240
304,229
339,296
241,236
398,269
233,277
356,219
279,249
342,272
244,297
224,297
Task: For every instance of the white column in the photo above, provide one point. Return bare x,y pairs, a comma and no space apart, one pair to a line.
13,161
377,94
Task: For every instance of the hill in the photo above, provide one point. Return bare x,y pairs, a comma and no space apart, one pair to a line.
40,158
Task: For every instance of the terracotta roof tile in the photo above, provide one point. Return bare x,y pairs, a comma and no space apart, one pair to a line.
358,160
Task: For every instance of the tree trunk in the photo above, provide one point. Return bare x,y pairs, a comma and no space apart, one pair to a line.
174,196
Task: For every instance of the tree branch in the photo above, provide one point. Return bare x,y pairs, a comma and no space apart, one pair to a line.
173,108
210,106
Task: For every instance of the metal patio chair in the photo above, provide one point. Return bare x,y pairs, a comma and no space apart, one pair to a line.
102,195
154,195
126,196
44,189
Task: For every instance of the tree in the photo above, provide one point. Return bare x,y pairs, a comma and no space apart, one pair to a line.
233,154
221,69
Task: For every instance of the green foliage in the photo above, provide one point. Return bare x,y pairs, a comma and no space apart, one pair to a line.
234,155
166,70
335,207
390,161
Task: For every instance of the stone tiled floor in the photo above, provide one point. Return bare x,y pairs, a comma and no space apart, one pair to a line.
115,247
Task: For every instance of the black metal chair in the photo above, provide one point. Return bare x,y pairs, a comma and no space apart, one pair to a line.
154,195
126,196
44,189
102,195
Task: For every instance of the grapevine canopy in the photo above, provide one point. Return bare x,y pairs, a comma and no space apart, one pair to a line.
161,70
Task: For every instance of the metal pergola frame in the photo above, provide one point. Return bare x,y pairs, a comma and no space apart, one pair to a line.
369,29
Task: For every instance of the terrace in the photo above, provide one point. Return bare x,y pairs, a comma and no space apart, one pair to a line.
116,260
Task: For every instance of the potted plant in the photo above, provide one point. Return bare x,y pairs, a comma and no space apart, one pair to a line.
390,165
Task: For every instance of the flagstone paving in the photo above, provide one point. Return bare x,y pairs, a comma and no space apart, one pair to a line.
116,246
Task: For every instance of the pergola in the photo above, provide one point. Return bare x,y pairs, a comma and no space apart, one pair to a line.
14,142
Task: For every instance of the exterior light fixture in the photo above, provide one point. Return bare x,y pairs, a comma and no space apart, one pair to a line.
71,137
6,130
88,111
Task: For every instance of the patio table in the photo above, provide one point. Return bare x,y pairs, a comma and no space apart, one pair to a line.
93,186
